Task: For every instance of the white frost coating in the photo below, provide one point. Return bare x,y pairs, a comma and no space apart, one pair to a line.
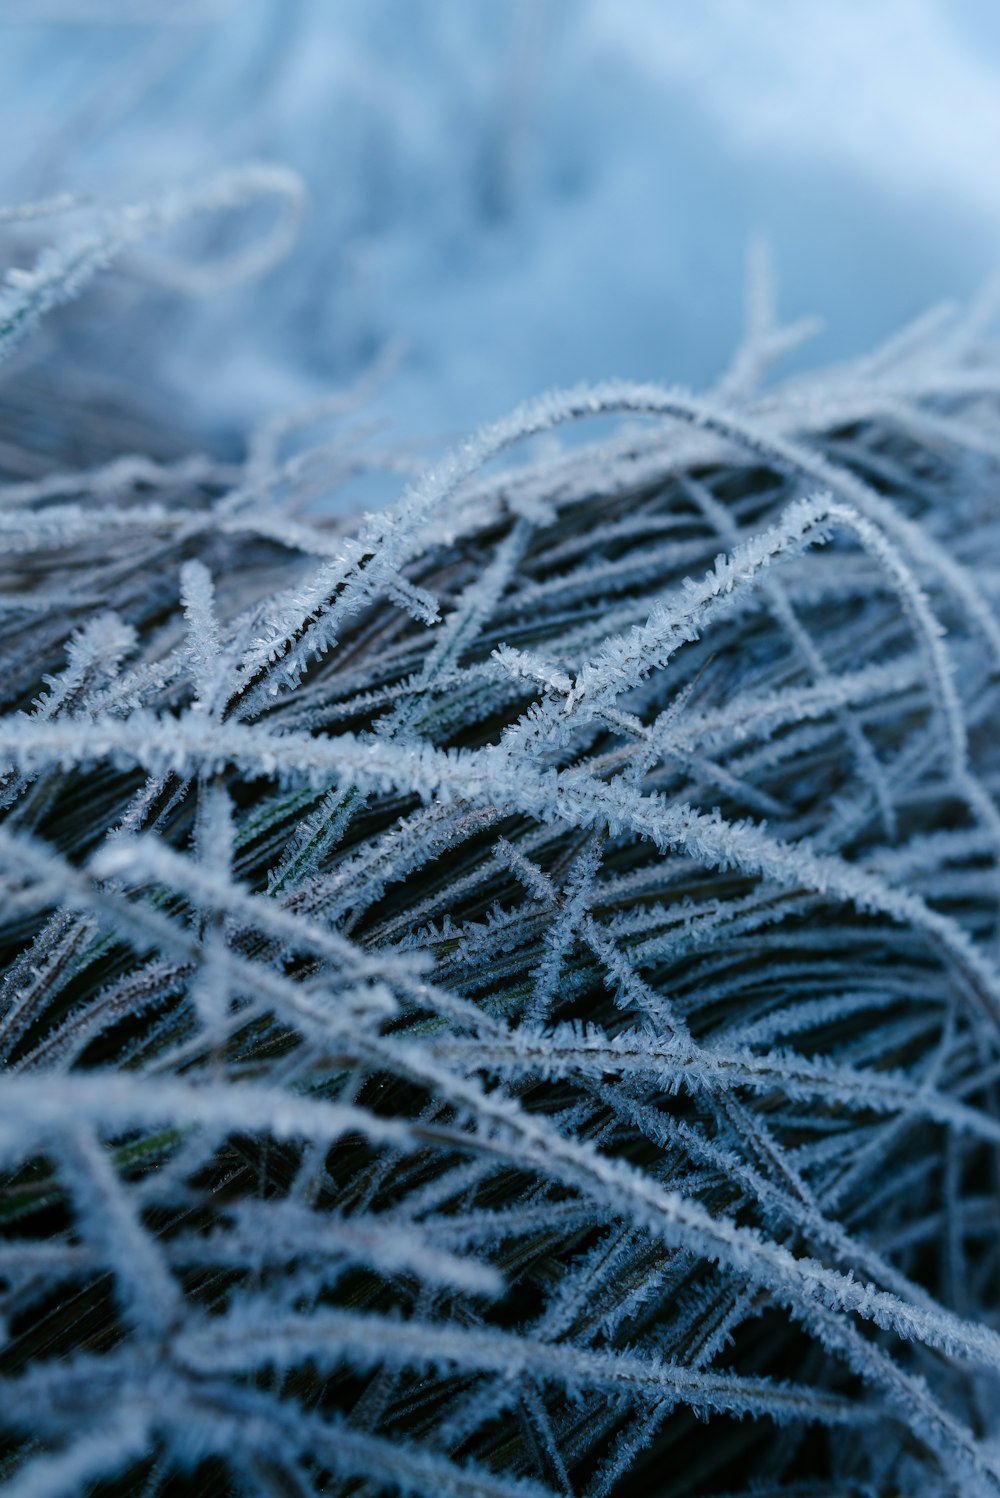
481,968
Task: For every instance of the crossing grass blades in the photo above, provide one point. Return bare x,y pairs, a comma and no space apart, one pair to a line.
501,998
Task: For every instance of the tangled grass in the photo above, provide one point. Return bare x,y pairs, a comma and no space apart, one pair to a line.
486,988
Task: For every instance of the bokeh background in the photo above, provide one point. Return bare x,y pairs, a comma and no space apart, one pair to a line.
525,192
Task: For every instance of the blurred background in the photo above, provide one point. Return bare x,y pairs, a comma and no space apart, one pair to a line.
526,193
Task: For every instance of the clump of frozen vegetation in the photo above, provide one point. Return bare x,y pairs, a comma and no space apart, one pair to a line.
495,996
